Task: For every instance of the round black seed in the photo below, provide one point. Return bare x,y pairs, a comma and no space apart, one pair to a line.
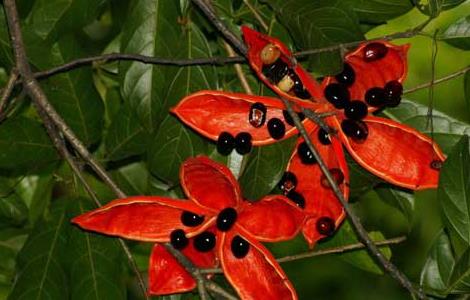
347,76
374,51
325,226
357,130
288,182
323,137
205,241
191,220
436,164
226,219
337,94
297,198
276,71
243,143
305,155
178,239
257,115
301,116
225,143
393,91
355,110
298,89
240,247
276,128
375,96
289,119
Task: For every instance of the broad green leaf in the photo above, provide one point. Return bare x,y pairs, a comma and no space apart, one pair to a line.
6,55
50,18
317,24
264,169
132,179
94,261
11,241
13,210
377,11
359,258
126,136
36,192
72,94
361,180
467,88
438,267
41,274
402,200
434,7
172,145
25,145
447,130
458,34
454,194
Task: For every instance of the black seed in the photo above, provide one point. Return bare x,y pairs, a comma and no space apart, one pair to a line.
375,96
325,226
355,110
374,51
347,76
301,116
191,220
393,91
226,219
225,143
243,143
257,115
436,164
276,128
337,94
299,90
357,130
288,182
275,71
338,177
305,155
323,137
240,247
289,119
178,239
205,241
297,198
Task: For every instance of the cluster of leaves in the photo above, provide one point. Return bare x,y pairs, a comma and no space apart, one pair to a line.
120,111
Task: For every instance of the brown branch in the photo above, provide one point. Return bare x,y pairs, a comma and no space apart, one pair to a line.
360,230
238,69
439,80
7,92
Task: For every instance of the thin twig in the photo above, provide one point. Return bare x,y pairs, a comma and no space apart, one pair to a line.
360,230
7,91
257,15
439,80
238,69
211,286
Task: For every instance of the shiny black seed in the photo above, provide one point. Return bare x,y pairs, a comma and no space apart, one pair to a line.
436,164
205,241
178,239
306,156
225,143
243,143
393,91
240,247
357,130
257,115
226,219
275,71
325,226
355,110
374,51
288,182
297,198
323,137
347,76
299,90
191,220
337,94
375,96
301,116
276,128
289,119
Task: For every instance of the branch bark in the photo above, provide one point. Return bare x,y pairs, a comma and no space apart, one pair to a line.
7,92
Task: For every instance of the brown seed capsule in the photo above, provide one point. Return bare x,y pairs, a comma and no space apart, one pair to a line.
286,83
269,54
337,176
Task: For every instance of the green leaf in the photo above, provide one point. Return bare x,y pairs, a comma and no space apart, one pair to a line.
454,194
93,261
438,267
317,24
402,200
447,130
11,241
359,258
132,179
36,192
265,168
41,274
6,55
50,18
72,93
458,34
13,210
434,7
126,136
467,88
377,11
24,145
172,145
361,180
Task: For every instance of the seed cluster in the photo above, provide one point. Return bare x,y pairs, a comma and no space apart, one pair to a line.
241,143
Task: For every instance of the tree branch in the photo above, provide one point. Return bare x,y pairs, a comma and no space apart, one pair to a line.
7,92
360,230
439,80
